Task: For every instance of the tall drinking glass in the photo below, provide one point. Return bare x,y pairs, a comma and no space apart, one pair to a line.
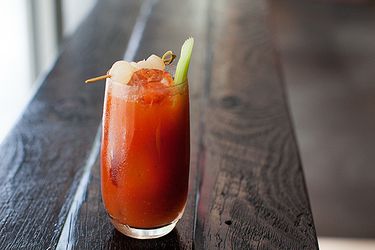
145,157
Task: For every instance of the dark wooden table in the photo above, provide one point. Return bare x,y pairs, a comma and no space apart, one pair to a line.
247,188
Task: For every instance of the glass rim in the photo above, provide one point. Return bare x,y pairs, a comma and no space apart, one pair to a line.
168,68
175,85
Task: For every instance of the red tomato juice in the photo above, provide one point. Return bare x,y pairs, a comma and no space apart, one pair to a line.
145,153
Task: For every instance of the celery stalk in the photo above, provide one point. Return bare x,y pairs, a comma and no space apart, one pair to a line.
184,61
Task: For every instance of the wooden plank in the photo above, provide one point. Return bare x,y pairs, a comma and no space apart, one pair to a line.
42,158
253,194
252,188
163,32
328,57
245,168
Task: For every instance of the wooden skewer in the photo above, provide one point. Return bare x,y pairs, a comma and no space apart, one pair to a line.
98,78
167,58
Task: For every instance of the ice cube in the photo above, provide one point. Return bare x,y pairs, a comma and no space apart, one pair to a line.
144,76
167,79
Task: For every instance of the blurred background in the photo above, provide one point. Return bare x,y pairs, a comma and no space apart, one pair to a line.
33,32
327,51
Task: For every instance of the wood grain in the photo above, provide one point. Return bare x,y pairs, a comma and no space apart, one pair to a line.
93,229
251,185
42,158
253,194
246,182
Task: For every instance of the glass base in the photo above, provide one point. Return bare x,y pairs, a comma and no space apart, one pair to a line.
143,233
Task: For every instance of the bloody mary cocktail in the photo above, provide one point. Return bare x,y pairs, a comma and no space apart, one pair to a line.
145,156
145,149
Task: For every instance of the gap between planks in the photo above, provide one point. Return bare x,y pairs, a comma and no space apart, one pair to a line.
66,239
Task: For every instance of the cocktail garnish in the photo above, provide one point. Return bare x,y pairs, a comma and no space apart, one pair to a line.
184,61
98,78
153,62
168,57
